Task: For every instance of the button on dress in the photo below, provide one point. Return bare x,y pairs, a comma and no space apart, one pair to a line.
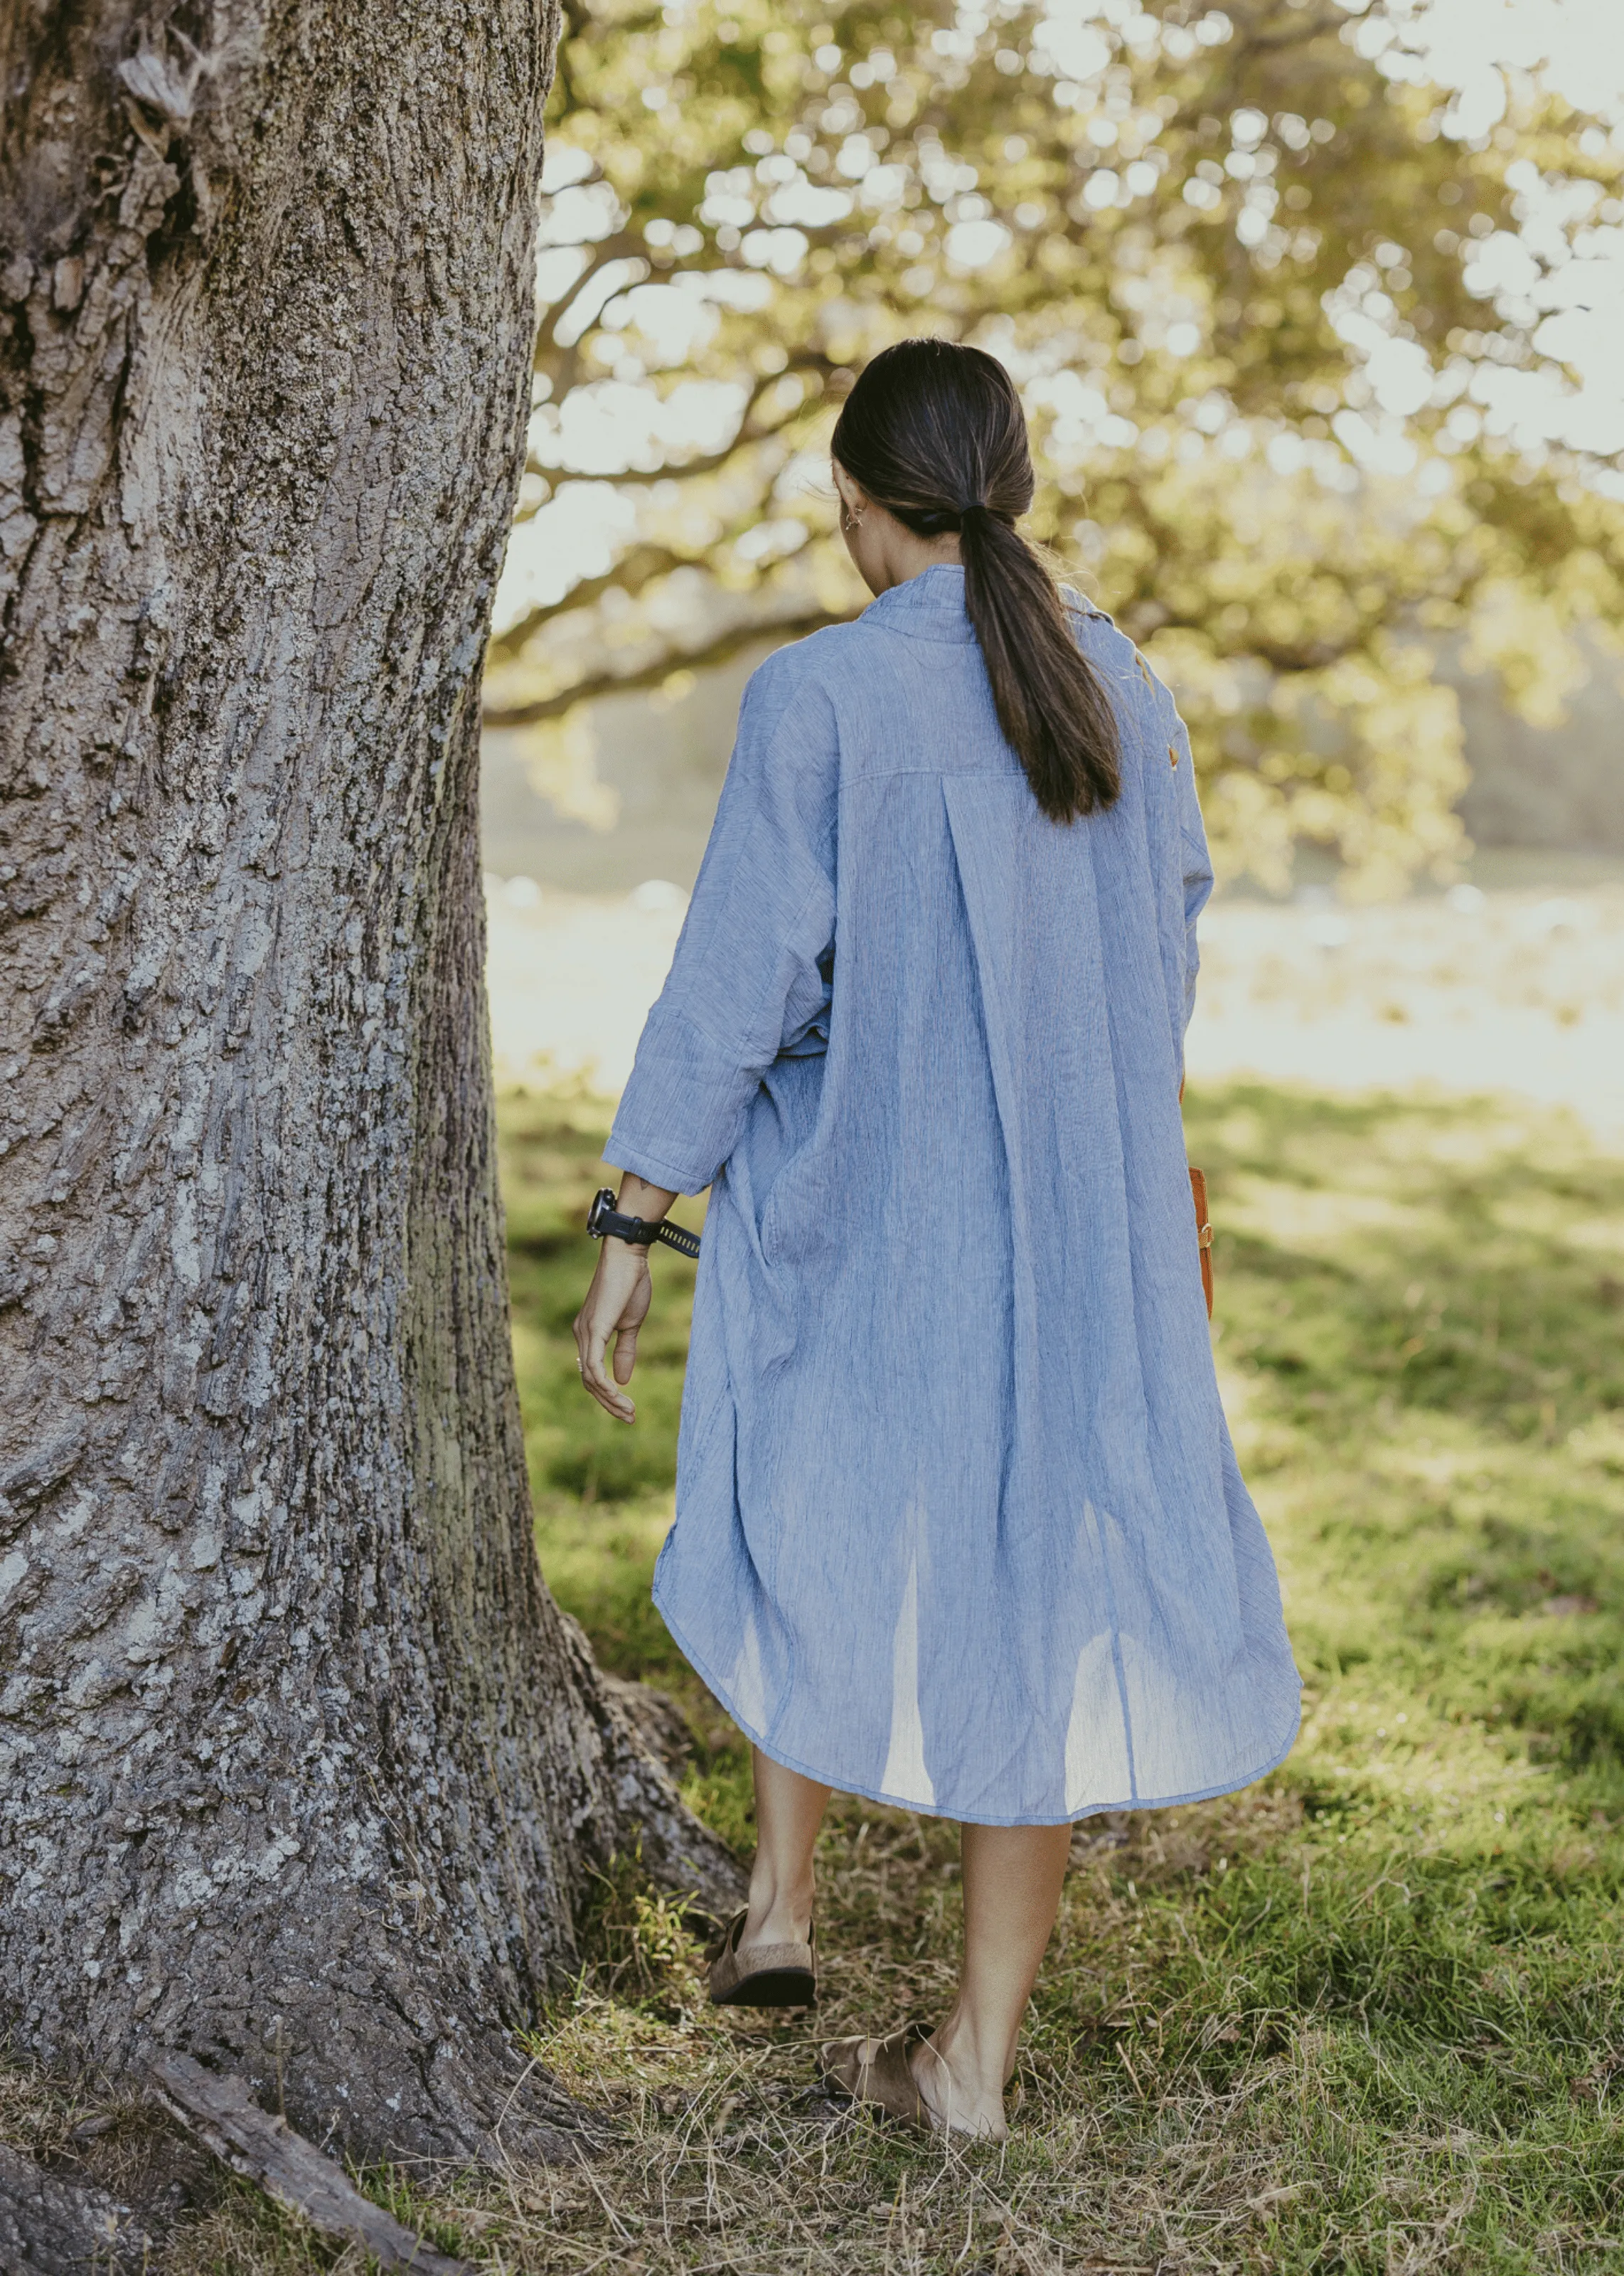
959,1525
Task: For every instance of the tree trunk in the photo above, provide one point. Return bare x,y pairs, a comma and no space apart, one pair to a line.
300,1769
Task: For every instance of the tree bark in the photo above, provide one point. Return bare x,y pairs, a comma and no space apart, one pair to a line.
300,1770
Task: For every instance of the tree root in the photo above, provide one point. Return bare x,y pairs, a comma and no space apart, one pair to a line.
641,1733
50,2226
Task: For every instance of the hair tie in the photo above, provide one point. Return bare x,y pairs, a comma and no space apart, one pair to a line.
973,506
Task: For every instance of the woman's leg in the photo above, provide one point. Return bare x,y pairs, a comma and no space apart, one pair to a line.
1012,1884
788,1811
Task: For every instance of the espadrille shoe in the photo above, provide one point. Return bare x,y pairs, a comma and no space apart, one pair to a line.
764,1975
883,2076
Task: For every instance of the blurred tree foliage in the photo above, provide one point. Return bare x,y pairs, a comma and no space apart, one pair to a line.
1275,299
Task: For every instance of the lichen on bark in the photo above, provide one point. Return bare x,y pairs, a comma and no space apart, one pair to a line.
300,1768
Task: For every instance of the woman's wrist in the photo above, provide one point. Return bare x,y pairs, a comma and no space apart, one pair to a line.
638,1198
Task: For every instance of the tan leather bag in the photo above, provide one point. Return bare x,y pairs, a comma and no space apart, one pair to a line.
1203,1233
1204,1224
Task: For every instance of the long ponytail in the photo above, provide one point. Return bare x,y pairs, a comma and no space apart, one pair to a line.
935,434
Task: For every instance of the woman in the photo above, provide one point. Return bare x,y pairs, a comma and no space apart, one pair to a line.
958,1525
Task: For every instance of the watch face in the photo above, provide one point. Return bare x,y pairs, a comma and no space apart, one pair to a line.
603,1202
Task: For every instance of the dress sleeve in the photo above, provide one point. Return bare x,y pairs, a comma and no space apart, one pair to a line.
1197,863
751,977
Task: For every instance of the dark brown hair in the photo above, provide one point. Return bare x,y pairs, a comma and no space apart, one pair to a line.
935,434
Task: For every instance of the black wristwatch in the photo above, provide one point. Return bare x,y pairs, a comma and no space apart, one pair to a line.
603,1217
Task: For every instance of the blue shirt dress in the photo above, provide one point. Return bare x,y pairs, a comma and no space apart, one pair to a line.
959,1525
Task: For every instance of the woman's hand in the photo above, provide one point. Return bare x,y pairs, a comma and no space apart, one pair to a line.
617,1302
616,1305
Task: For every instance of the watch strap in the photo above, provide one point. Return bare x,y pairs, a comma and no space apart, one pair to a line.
604,1219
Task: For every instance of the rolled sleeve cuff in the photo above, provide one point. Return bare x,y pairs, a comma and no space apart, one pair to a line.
680,1116
631,1160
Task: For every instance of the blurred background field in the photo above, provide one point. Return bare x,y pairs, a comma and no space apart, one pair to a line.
1515,987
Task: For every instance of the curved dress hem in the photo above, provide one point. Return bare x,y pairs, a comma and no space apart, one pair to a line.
840,1784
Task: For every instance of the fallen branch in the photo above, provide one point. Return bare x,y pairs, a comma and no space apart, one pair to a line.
223,2115
50,2226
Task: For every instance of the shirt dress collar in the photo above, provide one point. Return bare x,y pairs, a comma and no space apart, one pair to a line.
930,606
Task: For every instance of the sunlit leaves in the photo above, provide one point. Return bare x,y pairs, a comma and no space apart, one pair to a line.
1285,320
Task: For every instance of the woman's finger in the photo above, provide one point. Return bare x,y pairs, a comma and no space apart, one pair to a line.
592,1347
617,1305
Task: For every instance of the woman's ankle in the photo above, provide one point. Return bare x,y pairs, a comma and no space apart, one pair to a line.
778,1914
979,2067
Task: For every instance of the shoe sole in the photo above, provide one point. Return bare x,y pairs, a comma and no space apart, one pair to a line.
772,1987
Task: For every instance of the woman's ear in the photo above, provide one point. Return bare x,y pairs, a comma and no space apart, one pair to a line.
853,499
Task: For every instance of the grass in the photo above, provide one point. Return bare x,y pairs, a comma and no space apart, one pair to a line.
1366,2016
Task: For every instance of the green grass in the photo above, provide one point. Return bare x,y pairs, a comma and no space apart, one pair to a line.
1367,2016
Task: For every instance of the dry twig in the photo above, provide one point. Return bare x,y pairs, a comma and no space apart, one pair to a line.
223,2115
